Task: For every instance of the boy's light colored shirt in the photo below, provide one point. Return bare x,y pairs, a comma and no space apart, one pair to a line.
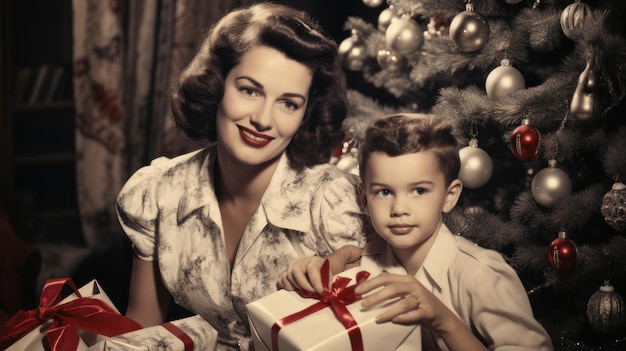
476,284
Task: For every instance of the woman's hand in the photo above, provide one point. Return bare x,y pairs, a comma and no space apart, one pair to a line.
304,273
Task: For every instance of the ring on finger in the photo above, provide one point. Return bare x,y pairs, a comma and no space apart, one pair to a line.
417,300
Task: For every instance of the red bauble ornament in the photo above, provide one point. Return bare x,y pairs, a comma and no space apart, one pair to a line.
524,142
562,253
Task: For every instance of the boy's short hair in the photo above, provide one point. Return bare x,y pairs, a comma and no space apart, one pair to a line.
401,134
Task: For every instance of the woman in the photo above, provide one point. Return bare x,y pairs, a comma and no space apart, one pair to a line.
215,228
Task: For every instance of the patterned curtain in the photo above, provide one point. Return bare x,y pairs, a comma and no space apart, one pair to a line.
125,56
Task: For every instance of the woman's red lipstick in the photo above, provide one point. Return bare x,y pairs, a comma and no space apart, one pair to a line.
254,139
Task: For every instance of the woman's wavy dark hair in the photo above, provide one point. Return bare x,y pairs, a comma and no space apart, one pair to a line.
200,87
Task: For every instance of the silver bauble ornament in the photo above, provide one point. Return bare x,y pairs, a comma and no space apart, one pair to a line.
614,207
550,185
390,61
573,19
476,166
352,52
584,103
373,3
404,36
385,18
503,80
468,30
605,309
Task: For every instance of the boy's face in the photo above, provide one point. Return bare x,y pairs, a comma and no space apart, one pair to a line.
405,197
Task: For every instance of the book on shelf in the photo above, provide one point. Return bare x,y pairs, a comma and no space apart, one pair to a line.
42,84
42,77
63,90
48,92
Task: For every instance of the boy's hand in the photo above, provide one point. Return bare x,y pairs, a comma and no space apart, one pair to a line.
304,273
416,303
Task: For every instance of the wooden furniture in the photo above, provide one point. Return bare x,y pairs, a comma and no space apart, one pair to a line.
37,124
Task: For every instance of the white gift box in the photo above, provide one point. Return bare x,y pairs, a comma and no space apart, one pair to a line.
191,333
35,340
321,330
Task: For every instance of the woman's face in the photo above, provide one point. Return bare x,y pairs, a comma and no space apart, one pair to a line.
265,97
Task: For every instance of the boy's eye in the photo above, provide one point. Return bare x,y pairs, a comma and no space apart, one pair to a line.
420,191
383,192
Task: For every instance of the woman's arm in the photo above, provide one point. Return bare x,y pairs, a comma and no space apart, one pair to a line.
148,299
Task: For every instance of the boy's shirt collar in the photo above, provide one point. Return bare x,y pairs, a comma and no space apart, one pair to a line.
434,270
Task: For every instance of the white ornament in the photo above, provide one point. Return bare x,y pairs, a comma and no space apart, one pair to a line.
503,80
550,185
373,3
476,166
468,30
404,36
390,61
353,52
385,18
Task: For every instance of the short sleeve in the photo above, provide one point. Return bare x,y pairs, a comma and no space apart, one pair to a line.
336,215
137,208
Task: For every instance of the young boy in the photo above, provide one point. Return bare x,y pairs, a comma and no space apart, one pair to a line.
464,297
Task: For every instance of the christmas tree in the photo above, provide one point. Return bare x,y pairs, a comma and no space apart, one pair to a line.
535,90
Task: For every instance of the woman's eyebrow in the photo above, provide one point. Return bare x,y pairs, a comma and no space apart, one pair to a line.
260,87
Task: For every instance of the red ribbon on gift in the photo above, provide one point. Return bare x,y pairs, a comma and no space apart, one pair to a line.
85,313
337,299
186,339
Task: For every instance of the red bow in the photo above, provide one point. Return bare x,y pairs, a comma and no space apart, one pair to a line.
337,299
86,313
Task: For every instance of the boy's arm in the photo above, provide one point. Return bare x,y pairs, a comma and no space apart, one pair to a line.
304,273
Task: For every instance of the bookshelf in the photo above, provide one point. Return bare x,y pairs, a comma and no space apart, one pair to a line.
38,122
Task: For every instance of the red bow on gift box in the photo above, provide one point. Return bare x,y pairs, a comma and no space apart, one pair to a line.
337,299
86,313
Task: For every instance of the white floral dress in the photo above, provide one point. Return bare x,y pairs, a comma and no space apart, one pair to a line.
170,213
